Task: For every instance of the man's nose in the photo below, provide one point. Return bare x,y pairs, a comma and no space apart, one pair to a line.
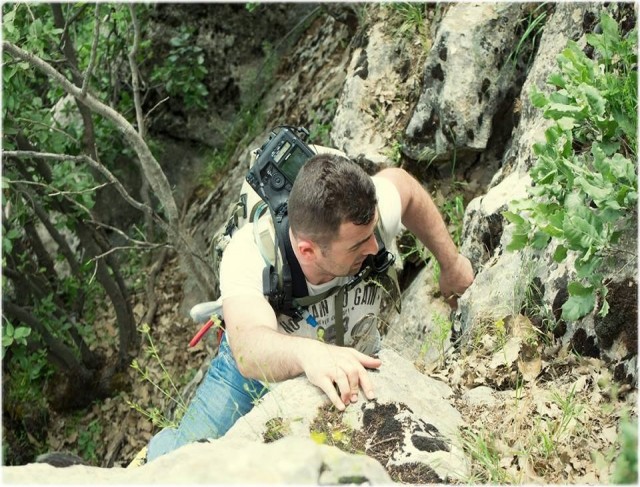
372,246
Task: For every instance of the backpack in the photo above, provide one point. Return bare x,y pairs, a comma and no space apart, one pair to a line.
284,284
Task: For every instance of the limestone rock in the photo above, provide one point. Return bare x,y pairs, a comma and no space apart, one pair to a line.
419,408
467,77
224,461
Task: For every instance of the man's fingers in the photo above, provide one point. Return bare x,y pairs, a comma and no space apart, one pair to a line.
366,360
344,387
365,383
329,388
353,376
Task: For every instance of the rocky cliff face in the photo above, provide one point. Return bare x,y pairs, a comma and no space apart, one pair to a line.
460,100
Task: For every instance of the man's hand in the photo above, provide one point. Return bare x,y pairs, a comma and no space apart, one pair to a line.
455,279
328,366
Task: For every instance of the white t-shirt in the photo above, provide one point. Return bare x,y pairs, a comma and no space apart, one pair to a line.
241,275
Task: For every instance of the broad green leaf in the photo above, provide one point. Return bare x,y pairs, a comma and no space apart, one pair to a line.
557,79
518,242
560,253
621,167
581,301
599,193
552,230
609,28
608,147
580,234
594,99
625,122
538,99
557,110
22,332
566,123
8,330
540,240
514,218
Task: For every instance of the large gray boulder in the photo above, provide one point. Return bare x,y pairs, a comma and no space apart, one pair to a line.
411,412
468,77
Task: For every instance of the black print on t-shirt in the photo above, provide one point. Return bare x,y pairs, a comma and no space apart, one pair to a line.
361,296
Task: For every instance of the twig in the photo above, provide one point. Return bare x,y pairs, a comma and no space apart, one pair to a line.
155,106
56,192
125,247
383,441
50,127
48,186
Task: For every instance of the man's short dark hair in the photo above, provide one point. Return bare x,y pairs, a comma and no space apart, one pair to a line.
328,191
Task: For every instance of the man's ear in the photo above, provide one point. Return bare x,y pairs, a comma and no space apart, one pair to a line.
307,249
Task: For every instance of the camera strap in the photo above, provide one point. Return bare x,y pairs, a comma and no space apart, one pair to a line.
286,281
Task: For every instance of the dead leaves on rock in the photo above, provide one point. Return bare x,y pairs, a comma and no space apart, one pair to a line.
556,416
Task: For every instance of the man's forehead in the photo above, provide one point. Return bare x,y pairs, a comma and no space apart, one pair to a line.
352,235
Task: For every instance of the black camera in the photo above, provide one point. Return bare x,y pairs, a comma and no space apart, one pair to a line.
279,161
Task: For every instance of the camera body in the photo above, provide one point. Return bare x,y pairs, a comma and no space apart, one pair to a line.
279,161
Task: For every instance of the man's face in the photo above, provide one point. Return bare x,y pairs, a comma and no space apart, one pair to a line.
347,252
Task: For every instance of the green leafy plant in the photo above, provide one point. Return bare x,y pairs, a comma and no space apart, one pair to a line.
413,20
321,122
626,469
453,212
584,189
183,71
12,336
165,384
438,336
485,455
395,151
532,27
89,440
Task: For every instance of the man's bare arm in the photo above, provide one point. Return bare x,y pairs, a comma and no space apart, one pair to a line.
263,353
421,216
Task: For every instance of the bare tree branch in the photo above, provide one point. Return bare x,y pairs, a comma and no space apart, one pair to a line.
135,74
50,127
56,192
94,50
155,106
51,188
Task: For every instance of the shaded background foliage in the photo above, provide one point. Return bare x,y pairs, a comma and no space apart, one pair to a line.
70,245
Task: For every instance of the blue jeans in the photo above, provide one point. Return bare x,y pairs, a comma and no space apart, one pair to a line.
222,398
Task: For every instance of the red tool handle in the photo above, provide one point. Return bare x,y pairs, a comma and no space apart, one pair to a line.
194,341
